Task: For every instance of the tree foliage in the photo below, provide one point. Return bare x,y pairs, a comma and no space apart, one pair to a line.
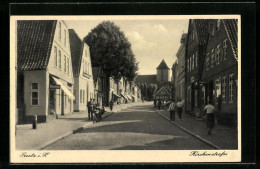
111,50
152,88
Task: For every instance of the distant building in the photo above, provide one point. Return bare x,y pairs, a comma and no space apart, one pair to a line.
175,81
164,93
161,79
45,75
82,71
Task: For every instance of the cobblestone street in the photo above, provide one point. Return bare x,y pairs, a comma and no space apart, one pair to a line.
135,128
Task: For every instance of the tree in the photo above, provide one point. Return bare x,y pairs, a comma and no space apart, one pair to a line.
111,50
152,88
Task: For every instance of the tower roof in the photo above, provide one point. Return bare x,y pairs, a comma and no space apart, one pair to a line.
163,65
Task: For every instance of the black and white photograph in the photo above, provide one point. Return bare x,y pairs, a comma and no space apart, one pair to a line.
125,88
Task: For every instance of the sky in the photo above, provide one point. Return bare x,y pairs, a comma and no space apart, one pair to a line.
152,40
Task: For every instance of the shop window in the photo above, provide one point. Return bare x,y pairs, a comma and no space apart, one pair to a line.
35,94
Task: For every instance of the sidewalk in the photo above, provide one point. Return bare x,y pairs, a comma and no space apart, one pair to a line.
47,133
222,136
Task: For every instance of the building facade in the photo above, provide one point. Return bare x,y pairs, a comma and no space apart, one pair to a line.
180,90
220,70
196,44
98,88
175,81
82,71
45,70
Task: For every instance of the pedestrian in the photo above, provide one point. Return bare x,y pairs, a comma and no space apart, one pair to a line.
154,103
163,104
179,109
210,119
159,104
142,99
89,109
92,109
111,103
172,110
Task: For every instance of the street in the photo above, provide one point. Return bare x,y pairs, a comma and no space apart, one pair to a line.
135,128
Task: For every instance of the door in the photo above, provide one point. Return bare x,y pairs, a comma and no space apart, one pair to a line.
62,103
210,89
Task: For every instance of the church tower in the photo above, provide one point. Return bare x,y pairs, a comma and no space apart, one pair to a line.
163,72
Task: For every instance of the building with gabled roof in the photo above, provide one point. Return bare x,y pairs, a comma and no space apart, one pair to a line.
98,85
196,45
162,78
45,75
82,70
220,70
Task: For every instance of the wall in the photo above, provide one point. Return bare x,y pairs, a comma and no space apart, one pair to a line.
163,75
42,78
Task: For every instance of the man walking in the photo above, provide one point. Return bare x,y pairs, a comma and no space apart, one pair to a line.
210,119
89,109
179,109
154,103
172,111
111,103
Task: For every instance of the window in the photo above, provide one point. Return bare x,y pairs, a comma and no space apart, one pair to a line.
207,61
231,78
59,59
225,49
224,89
218,54
196,56
55,56
218,24
193,61
65,38
190,64
59,31
83,96
35,94
212,58
88,68
80,96
86,53
65,64
68,65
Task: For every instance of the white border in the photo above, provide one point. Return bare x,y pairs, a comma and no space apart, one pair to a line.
115,156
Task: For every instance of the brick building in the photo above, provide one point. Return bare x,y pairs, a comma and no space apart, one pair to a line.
220,70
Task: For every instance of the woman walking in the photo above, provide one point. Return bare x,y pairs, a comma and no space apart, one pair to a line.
210,119
172,111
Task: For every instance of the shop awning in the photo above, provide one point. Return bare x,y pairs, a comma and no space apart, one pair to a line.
123,96
129,97
116,95
64,88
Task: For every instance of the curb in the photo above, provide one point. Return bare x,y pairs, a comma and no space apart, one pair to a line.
74,131
191,133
